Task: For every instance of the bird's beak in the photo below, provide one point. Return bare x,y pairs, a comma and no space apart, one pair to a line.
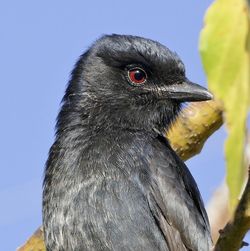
188,91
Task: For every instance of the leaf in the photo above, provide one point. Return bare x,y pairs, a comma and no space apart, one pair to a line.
224,47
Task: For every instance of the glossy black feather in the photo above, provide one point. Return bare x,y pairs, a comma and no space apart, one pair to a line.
112,181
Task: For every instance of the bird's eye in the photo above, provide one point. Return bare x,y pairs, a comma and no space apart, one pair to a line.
137,76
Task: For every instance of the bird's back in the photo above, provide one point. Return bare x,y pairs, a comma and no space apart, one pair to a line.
118,201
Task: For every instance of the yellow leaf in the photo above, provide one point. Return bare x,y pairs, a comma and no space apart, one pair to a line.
224,47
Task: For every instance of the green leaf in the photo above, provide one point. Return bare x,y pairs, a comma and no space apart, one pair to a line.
224,47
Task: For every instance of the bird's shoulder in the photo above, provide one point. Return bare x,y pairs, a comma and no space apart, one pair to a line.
172,192
175,199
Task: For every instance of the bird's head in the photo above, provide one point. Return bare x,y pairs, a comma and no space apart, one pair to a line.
129,82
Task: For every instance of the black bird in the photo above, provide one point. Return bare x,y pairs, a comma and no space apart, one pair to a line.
112,181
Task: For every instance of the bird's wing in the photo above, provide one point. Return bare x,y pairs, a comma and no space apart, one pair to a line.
176,203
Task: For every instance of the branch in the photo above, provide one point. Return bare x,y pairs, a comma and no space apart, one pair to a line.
35,242
218,210
193,127
232,235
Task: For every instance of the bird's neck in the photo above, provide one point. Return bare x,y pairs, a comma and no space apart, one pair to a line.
96,131
99,118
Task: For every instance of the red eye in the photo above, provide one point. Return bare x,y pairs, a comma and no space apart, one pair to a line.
137,76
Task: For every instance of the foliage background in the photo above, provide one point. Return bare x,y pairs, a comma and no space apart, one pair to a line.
40,42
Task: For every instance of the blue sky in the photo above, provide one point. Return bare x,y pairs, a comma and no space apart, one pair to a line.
40,42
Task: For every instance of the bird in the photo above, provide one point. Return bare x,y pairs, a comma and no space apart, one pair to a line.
112,180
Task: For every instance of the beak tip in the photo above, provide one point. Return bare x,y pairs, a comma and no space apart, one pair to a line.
189,92
209,95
